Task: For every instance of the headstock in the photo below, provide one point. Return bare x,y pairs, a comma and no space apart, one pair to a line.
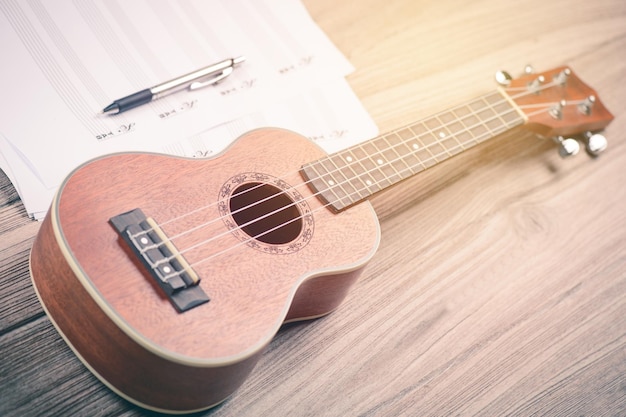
556,104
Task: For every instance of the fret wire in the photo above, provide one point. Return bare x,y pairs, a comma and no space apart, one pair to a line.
424,146
469,129
406,152
374,164
388,147
482,121
439,136
319,193
497,106
466,128
322,191
488,135
346,163
498,129
484,133
494,130
355,161
355,176
337,175
431,126
431,134
313,195
456,139
379,157
311,165
503,100
447,135
343,182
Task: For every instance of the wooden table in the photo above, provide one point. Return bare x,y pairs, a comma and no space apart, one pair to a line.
499,287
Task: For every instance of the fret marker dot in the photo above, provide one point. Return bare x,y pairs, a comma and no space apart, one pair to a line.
416,146
380,161
442,135
331,182
144,240
349,158
368,182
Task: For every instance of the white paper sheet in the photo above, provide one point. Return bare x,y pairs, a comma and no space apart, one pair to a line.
67,60
330,116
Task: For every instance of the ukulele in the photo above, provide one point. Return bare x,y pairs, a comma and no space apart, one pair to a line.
168,276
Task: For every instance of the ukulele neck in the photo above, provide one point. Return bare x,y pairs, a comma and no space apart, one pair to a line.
347,177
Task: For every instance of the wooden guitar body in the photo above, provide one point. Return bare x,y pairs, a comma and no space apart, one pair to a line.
168,276
121,323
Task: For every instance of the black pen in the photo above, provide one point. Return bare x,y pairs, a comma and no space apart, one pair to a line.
193,81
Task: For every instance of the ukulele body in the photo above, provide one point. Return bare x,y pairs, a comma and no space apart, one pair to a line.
119,321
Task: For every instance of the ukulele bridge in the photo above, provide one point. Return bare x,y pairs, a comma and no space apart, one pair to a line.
160,258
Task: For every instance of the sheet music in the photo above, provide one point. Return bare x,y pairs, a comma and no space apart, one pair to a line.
70,59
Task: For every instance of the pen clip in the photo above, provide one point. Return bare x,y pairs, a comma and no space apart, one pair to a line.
213,80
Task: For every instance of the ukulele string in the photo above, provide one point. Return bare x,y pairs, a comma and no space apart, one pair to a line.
358,161
297,218
428,131
314,195
301,184
531,88
545,86
391,147
569,103
431,131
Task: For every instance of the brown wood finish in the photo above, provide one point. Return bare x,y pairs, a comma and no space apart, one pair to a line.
571,91
320,295
549,103
251,289
251,282
119,361
498,288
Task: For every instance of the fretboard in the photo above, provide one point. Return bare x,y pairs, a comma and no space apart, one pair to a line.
347,177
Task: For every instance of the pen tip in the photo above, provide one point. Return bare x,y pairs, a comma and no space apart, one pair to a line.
112,108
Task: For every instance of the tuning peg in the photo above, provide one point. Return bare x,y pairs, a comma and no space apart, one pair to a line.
596,143
567,147
503,78
535,85
561,77
528,69
586,106
556,111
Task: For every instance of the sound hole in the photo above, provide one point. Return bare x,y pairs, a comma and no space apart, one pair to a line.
265,213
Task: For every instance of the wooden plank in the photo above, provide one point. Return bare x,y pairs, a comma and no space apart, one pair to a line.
39,375
8,194
499,287
19,303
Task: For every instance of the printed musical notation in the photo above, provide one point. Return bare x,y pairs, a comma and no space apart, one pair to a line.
70,59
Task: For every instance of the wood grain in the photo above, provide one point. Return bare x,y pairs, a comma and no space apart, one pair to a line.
499,287
121,324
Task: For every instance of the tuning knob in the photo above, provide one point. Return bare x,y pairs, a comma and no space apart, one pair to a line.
528,69
503,78
567,147
587,104
596,143
535,85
